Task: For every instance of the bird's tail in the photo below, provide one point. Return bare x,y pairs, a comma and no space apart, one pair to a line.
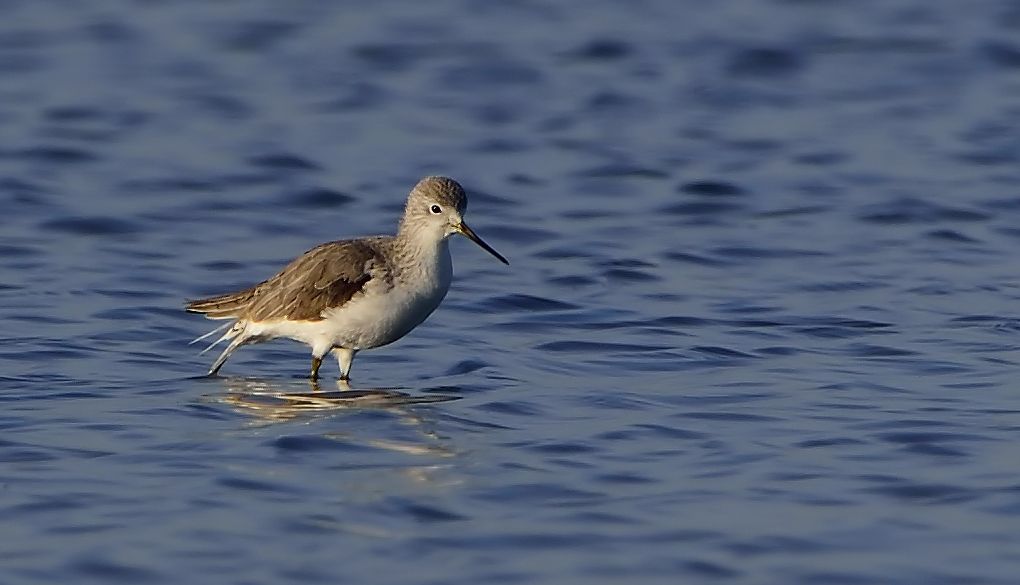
228,306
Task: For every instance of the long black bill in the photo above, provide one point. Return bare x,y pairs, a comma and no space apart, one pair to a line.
471,235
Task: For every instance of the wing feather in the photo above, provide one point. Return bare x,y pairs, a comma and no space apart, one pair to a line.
325,277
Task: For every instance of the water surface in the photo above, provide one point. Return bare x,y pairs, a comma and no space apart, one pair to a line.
760,324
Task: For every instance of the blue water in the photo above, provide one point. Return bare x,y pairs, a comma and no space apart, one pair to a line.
761,323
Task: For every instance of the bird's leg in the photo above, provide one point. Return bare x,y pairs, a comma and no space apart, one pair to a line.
316,362
236,343
345,357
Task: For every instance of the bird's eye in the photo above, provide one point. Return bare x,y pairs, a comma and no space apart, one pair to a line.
436,209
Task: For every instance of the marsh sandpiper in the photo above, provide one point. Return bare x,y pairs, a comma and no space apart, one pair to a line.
350,295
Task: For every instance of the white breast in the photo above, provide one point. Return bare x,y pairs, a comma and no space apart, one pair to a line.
386,313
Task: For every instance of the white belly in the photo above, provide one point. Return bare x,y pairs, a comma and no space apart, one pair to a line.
382,315
374,320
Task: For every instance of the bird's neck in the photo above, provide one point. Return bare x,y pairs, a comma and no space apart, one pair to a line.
422,245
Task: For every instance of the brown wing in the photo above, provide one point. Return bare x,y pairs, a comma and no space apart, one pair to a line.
228,306
324,277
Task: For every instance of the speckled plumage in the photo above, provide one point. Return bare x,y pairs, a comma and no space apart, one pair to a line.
349,295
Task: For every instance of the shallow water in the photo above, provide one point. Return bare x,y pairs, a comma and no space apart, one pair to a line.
760,325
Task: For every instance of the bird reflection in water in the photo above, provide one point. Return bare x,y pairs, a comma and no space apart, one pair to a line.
273,401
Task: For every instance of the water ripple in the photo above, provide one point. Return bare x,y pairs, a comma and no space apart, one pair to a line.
760,324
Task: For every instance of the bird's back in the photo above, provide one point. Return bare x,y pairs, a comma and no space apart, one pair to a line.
327,276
